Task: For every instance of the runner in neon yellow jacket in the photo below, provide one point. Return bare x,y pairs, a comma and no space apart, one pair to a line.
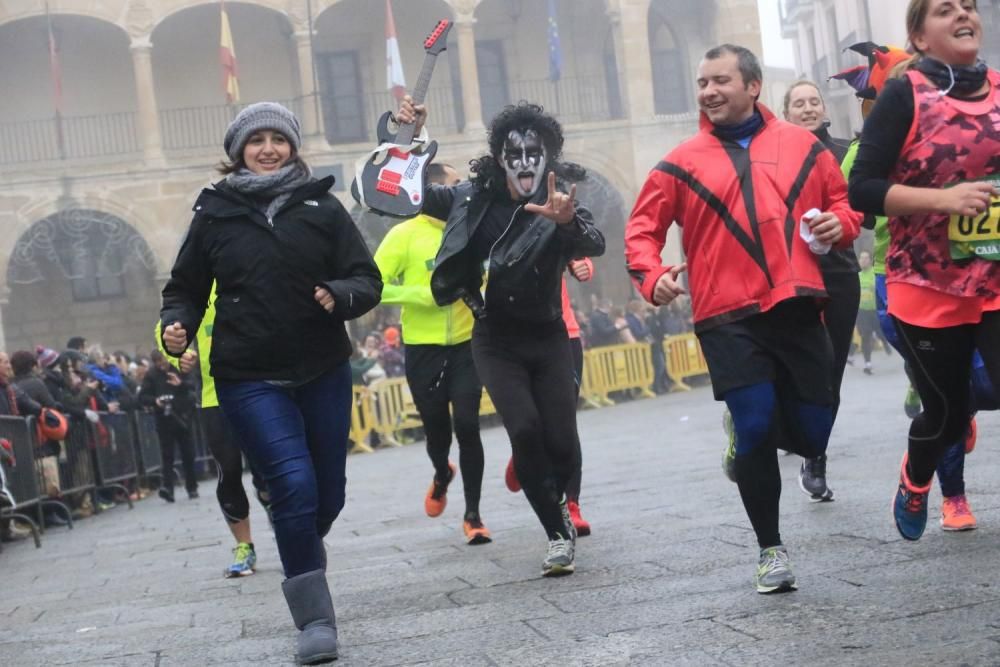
406,260
221,442
439,368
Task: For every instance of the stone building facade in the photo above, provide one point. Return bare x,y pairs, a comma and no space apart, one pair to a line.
94,201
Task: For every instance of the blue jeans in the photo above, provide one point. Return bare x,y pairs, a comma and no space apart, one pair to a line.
296,439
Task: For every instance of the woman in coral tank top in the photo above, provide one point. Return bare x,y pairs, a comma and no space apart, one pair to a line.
930,160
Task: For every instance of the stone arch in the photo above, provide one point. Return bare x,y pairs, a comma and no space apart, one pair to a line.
513,60
193,108
350,66
80,271
97,100
675,31
606,200
101,11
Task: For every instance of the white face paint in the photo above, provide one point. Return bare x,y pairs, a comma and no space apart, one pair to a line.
524,159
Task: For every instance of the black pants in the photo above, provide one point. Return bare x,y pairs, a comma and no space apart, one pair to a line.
174,433
229,461
941,362
441,376
528,371
839,316
867,326
576,350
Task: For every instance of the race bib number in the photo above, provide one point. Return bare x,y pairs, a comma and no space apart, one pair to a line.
977,235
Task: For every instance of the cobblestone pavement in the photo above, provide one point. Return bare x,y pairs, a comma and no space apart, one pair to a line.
664,580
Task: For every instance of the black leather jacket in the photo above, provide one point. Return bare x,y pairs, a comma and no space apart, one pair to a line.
525,266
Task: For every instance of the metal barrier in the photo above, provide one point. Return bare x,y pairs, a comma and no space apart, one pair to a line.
148,445
684,360
76,464
115,452
18,482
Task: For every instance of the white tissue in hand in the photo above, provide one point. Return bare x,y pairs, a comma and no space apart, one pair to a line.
818,247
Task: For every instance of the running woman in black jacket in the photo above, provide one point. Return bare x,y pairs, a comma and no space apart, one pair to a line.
290,268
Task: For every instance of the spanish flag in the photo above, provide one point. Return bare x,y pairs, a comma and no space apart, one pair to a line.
227,55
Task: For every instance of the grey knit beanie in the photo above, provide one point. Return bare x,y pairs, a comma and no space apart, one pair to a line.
257,117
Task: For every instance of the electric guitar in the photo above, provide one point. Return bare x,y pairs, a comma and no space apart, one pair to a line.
392,180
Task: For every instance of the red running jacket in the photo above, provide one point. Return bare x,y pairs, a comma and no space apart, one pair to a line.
739,212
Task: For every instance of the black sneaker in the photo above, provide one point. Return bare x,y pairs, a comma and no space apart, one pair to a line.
166,494
812,480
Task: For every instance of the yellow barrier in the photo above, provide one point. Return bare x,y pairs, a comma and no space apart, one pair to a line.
684,359
387,406
362,421
618,368
393,408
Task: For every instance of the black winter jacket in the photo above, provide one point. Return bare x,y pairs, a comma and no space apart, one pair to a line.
267,325
837,260
155,385
525,266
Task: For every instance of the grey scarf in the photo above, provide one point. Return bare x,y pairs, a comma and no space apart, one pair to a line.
270,190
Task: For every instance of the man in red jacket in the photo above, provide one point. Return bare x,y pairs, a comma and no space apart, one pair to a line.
740,190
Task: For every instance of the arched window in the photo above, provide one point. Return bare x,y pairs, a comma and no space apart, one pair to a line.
671,92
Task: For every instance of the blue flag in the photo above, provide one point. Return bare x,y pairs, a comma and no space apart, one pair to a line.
555,52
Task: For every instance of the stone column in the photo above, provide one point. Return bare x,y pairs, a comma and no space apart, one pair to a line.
150,138
311,115
629,24
471,102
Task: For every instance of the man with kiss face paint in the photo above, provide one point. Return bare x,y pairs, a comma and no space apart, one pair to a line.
511,218
524,161
740,190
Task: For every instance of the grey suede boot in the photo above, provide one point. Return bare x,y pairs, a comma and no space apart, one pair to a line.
308,598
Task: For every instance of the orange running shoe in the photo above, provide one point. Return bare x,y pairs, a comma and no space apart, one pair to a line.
475,531
970,436
510,477
437,495
581,524
956,514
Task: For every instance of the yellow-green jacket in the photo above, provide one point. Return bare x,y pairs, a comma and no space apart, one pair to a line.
406,260
204,338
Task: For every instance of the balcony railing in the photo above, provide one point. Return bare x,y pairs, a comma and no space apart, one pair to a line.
204,127
571,100
351,119
82,137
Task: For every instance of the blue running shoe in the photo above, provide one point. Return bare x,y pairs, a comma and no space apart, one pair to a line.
909,508
244,561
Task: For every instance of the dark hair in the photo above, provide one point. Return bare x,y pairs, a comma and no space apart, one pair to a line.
489,176
156,357
23,361
748,63
76,343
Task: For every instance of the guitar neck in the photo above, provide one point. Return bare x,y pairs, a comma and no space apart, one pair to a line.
405,135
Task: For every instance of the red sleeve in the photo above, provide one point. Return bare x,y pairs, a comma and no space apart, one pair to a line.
646,231
835,199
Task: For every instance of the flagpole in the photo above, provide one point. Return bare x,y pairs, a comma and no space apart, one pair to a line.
312,66
56,86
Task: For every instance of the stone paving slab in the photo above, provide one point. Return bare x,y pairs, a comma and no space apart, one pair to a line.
666,578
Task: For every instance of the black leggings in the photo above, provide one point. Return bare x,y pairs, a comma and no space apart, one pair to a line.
173,435
439,376
528,371
941,362
838,318
229,461
867,326
576,349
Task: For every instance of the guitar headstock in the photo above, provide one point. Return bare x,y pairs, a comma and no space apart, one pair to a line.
437,41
